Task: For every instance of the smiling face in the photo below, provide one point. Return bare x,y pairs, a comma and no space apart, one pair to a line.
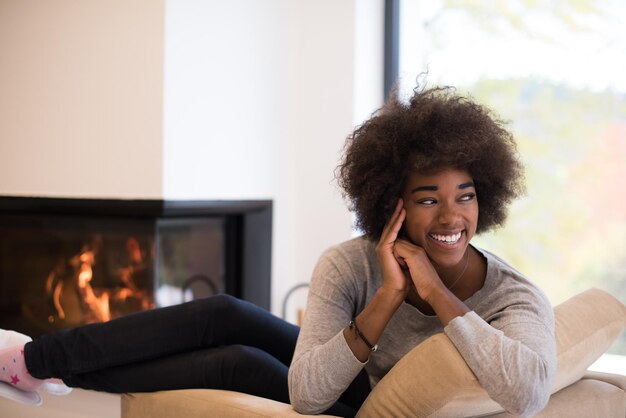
441,214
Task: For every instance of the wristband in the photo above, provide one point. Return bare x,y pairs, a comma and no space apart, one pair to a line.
352,325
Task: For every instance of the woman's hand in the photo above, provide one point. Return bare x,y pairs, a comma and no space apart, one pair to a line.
394,278
422,273
373,319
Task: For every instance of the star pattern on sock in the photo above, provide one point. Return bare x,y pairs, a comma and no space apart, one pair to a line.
14,379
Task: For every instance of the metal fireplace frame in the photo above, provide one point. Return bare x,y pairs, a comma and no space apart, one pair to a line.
248,230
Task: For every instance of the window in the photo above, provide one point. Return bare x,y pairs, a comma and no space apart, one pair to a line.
555,71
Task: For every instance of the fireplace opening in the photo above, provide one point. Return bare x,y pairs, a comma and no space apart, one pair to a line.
69,262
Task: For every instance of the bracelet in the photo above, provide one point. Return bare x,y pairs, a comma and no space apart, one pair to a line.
369,345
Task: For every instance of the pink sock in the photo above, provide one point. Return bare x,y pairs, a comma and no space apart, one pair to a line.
13,369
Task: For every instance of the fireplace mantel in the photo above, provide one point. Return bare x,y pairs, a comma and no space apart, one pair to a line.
141,208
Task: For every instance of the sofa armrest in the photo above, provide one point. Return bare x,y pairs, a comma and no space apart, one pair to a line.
614,379
589,398
196,403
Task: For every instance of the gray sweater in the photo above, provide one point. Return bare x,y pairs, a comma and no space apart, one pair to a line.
507,339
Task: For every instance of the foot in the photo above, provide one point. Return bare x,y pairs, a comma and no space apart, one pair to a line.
11,341
16,383
13,369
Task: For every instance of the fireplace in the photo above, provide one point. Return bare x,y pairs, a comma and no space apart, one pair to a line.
69,262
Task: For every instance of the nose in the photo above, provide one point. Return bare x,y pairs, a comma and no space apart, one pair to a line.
448,214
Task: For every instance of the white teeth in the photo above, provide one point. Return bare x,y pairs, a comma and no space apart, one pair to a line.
448,239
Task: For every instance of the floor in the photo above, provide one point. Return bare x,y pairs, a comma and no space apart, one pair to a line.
78,404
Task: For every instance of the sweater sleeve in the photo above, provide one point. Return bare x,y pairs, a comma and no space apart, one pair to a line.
323,365
513,355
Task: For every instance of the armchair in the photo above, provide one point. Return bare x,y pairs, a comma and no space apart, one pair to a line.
586,326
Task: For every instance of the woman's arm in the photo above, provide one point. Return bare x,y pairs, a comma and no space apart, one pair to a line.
371,322
329,354
513,356
323,365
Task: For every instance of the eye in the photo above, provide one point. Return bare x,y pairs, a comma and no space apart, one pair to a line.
467,197
426,202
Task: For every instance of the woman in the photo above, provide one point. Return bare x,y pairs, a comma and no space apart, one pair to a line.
416,175
423,179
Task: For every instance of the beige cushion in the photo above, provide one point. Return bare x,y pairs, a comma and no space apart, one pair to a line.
430,378
203,403
434,380
586,398
586,326
617,380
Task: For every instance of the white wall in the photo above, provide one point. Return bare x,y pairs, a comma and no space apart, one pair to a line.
228,115
192,99
81,98
369,56
259,97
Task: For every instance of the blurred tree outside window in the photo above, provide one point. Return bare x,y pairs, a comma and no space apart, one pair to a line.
556,72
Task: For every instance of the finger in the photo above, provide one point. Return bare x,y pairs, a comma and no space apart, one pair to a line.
407,249
400,249
399,259
394,215
397,225
391,235
392,229
404,243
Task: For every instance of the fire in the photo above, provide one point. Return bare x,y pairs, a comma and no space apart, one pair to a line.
55,290
95,302
98,306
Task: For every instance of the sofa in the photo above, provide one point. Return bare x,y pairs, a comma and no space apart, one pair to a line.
586,326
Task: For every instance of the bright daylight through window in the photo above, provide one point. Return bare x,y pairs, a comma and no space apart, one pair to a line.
555,72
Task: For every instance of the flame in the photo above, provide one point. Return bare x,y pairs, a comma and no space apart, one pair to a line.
96,302
86,273
57,299
55,289
98,305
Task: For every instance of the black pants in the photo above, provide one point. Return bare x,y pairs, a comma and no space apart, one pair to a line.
218,343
